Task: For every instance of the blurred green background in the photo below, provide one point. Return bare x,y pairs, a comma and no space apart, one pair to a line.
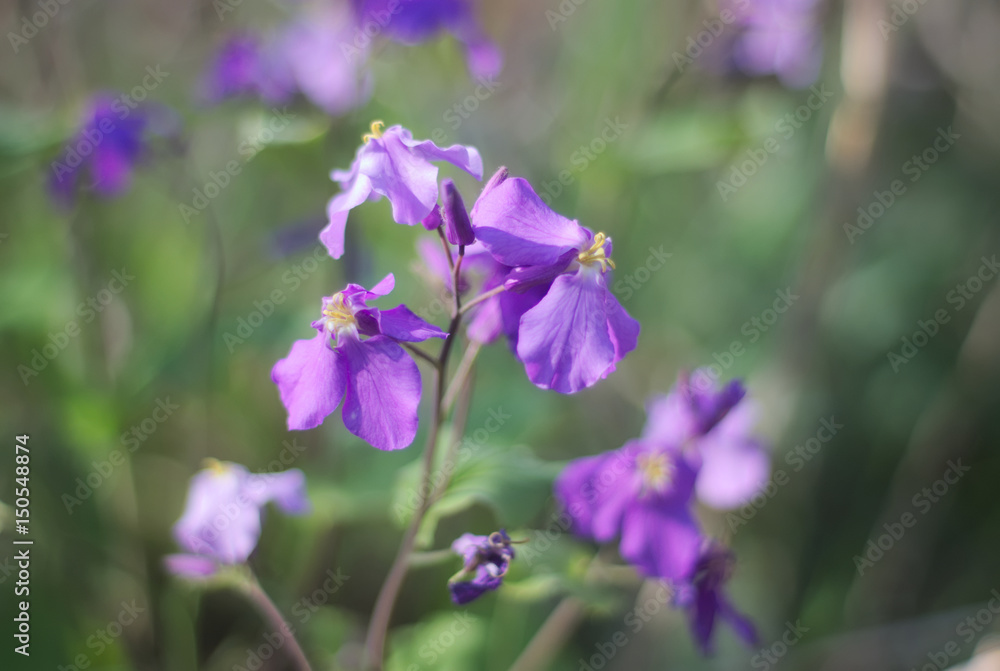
163,339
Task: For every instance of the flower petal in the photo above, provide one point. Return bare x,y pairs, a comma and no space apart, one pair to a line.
660,540
383,392
400,323
564,341
287,489
461,156
311,381
519,229
218,520
734,467
332,236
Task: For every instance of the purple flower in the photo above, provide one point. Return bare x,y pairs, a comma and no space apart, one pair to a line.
109,144
574,333
717,426
356,356
222,516
414,21
702,596
642,493
485,562
776,37
312,55
326,67
391,163
244,67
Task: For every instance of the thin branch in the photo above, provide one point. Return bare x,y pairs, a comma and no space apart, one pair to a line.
482,297
420,353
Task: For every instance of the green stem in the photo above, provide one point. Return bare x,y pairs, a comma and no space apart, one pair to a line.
252,589
378,627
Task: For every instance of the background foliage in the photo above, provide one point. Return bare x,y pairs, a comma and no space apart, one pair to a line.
164,338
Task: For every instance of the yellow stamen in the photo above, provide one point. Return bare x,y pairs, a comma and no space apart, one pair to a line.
377,127
657,471
215,465
338,313
596,254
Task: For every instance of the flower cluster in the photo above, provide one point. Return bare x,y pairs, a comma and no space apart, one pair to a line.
221,523
323,52
545,286
697,442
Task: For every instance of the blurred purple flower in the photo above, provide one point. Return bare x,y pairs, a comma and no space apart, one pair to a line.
702,596
325,67
391,163
576,333
377,379
244,67
222,516
716,426
415,21
777,37
642,493
485,563
109,144
311,55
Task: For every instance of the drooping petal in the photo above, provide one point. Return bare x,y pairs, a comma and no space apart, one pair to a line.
383,392
661,541
332,236
519,229
400,323
287,489
461,156
564,341
311,381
